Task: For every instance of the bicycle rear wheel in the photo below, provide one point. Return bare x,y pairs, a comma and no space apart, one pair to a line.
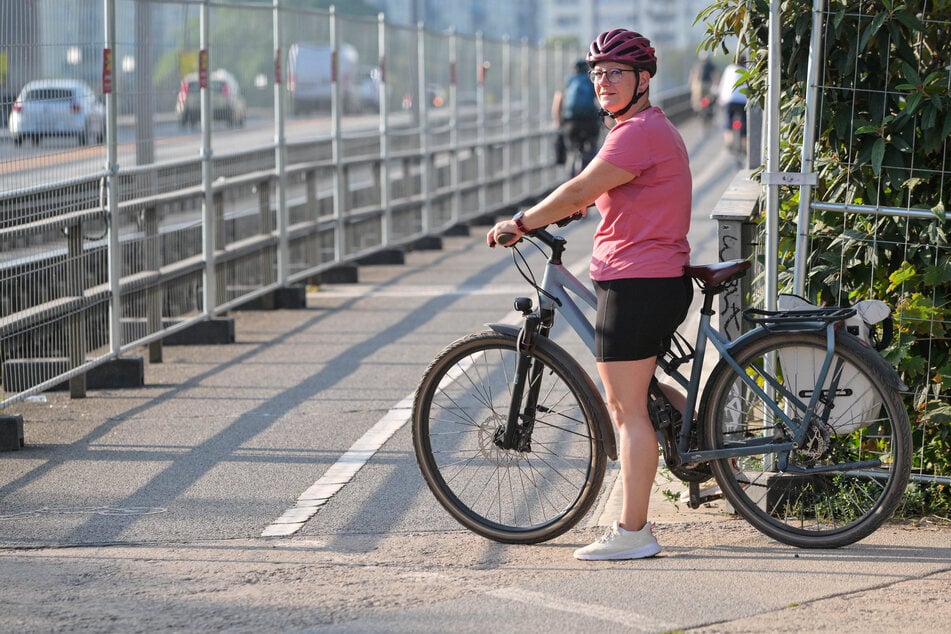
850,473
509,496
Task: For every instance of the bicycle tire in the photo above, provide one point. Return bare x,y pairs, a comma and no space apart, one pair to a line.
508,496
868,421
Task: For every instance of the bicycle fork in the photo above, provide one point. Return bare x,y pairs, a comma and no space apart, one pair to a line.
516,433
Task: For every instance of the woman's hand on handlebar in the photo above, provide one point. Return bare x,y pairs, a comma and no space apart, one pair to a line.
504,233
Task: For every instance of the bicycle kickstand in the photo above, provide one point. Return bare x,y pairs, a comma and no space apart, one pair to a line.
699,497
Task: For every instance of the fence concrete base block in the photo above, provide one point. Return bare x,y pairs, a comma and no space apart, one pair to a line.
127,372
11,433
459,230
427,243
204,333
292,297
118,373
343,274
21,374
386,256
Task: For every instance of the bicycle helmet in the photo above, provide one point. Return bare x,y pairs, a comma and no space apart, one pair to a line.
624,47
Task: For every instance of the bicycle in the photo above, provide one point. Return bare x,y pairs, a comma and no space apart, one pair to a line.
581,154
799,423
737,135
582,138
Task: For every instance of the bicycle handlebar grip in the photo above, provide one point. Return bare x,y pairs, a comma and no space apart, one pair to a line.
505,239
578,215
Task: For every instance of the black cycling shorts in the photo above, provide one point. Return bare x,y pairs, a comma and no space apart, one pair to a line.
582,132
637,317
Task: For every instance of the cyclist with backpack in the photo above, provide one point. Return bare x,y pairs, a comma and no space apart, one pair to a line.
577,114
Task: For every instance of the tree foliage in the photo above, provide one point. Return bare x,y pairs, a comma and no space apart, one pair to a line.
883,139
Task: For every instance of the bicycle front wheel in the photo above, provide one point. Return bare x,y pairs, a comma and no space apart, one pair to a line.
851,471
525,495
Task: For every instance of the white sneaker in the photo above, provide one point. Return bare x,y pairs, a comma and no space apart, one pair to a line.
618,543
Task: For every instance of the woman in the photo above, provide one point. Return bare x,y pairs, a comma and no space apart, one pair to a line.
640,182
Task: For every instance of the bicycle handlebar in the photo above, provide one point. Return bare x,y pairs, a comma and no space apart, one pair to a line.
508,239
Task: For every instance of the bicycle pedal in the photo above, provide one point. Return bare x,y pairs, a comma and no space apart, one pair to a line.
700,497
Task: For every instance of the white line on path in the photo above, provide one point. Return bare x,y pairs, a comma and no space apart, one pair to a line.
341,472
591,611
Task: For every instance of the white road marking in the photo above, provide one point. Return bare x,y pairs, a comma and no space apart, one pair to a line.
591,611
341,472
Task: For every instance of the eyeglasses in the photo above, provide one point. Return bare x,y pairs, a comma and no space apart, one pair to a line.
613,74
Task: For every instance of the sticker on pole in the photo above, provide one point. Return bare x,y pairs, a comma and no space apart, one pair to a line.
107,71
203,68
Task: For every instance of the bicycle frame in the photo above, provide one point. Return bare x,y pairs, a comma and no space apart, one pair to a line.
556,293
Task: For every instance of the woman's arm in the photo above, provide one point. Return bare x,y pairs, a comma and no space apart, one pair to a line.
578,193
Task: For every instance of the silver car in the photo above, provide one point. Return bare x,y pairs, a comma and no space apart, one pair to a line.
227,104
57,107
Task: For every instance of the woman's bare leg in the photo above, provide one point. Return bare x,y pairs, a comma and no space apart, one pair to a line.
626,384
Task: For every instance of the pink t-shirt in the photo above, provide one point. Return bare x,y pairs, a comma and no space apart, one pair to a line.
644,222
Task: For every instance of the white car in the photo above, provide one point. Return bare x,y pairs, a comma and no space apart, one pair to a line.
57,107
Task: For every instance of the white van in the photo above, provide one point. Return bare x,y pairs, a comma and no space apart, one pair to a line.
309,74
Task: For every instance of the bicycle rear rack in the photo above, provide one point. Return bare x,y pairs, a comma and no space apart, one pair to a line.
799,319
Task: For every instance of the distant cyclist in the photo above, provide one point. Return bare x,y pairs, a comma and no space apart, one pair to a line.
733,100
703,78
577,114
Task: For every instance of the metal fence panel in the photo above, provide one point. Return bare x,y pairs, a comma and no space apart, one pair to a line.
858,236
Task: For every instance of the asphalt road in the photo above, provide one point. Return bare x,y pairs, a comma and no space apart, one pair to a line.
166,508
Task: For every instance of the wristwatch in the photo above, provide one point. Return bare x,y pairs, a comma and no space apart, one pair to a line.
517,219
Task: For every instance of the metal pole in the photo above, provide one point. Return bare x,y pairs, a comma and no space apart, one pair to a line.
384,176
772,156
425,161
144,99
480,122
208,221
114,256
280,153
454,176
340,239
507,118
808,148
525,87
